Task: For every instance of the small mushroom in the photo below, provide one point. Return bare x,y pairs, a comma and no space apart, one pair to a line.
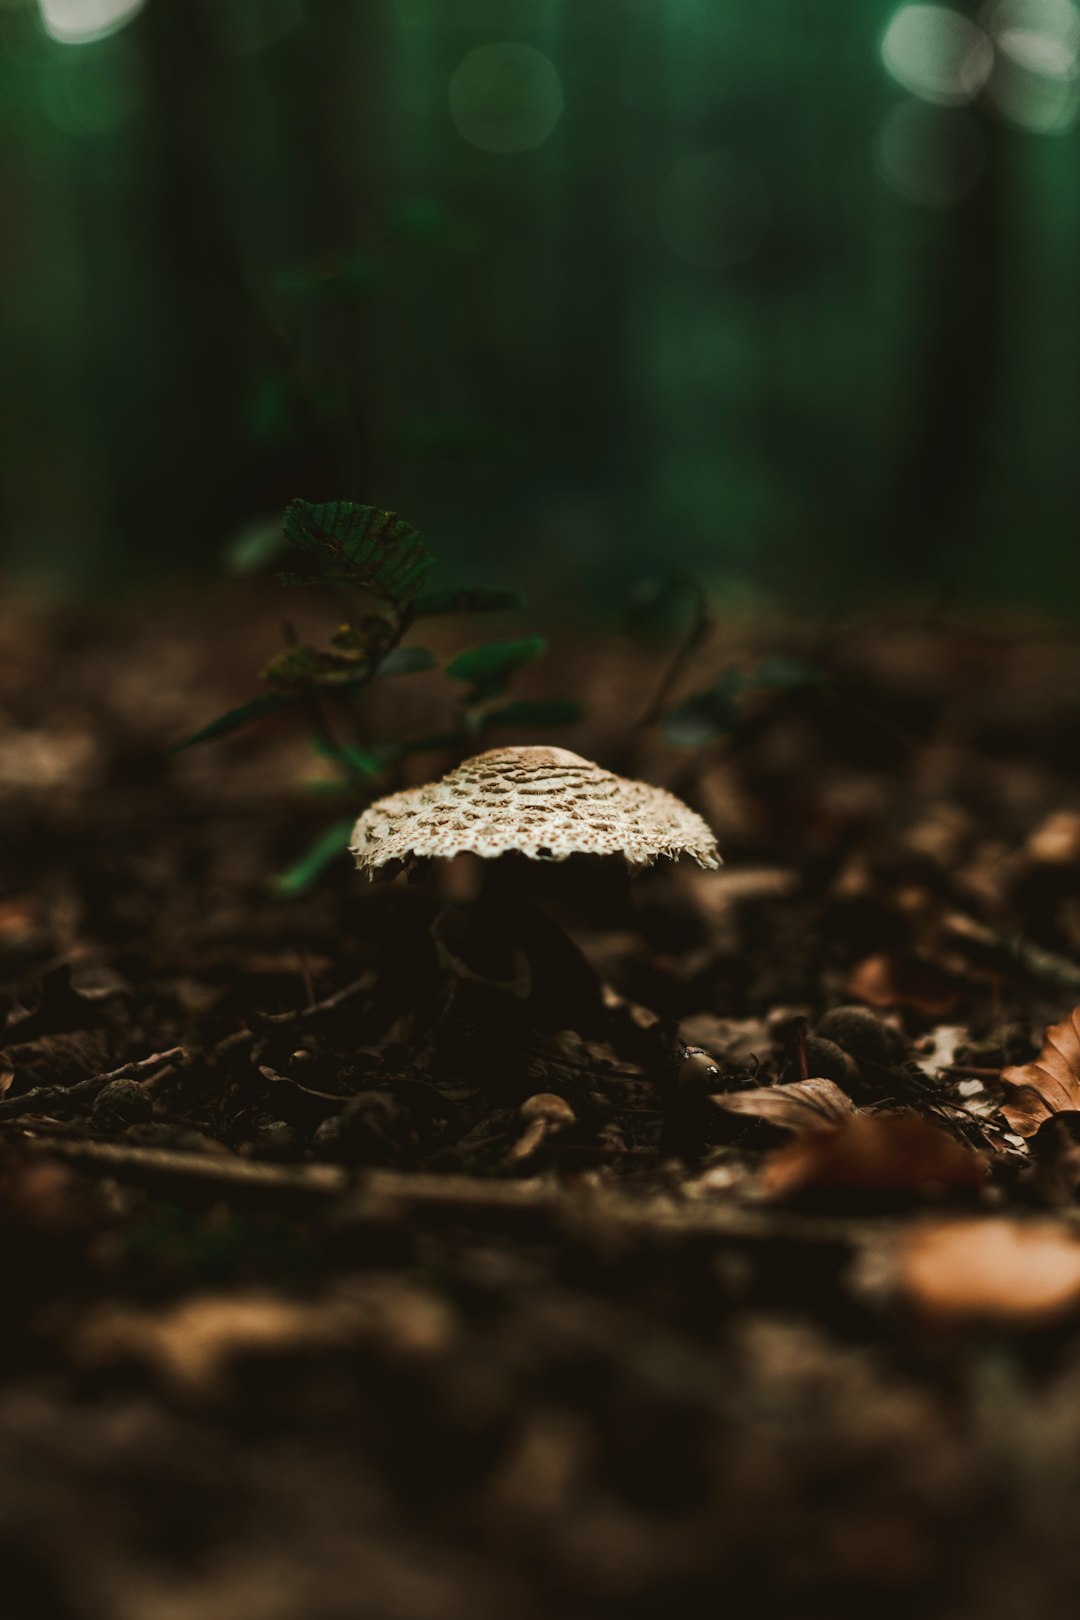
543,803
544,1115
517,808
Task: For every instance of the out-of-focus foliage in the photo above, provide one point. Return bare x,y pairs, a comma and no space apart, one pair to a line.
779,294
375,560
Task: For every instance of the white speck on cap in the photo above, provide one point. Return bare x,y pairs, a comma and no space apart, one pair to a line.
545,803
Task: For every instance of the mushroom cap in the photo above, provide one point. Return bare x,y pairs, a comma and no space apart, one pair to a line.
545,803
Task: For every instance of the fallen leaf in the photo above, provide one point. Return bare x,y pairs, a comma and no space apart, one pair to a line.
805,1105
1049,1085
994,1269
873,1153
887,981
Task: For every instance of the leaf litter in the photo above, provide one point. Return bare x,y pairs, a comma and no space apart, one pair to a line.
309,1256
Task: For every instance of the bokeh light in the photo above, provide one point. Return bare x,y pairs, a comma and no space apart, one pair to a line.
1036,78
713,210
930,155
937,54
506,97
77,22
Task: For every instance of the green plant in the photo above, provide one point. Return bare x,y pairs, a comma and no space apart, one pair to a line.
676,610
381,564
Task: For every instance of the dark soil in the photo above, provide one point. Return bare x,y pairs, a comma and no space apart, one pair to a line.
313,1314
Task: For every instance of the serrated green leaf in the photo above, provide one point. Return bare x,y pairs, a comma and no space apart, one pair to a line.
488,668
233,719
525,712
316,858
474,599
406,661
706,715
361,546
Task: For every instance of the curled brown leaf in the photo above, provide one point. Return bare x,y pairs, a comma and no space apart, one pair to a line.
806,1105
1050,1084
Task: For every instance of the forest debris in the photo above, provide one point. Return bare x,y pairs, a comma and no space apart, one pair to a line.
805,1105
888,981
734,1041
1012,951
1050,1084
936,1052
191,1345
874,1153
860,1033
202,1175
54,1099
993,1269
1056,839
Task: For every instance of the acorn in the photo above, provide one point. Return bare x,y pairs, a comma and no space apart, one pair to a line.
859,1032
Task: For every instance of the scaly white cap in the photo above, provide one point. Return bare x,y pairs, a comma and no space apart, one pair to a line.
544,803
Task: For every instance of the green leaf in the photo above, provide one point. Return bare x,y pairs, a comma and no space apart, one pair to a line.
356,760
368,639
475,599
253,546
542,712
254,709
673,608
316,858
298,669
706,715
406,661
361,546
489,667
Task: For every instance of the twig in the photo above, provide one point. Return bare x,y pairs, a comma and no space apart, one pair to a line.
219,1176
1030,958
44,1099
699,629
327,1004
800,1049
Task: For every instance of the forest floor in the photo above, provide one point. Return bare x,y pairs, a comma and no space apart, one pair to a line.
304,1322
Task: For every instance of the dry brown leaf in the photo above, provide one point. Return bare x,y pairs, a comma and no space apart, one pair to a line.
805,1105
1051,1084
994,1269
885,981
882,1153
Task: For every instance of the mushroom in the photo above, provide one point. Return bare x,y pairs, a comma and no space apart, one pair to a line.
508,971
543,803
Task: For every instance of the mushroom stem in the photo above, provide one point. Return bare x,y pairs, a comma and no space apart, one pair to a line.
566,990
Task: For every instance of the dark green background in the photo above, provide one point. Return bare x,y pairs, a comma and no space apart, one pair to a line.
248,255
